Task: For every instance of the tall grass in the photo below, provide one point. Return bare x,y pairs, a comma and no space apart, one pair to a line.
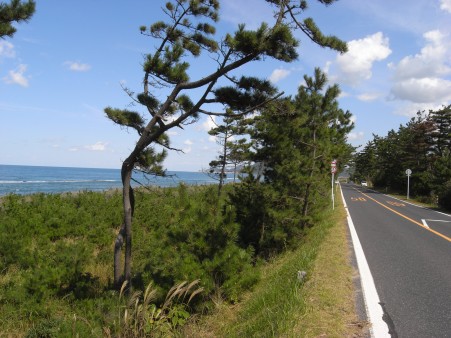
281,305
141,317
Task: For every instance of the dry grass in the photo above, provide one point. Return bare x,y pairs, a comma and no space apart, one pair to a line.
142,318
329,293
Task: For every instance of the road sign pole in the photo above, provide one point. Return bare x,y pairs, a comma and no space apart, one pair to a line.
408,186
408,173
333,197
333,170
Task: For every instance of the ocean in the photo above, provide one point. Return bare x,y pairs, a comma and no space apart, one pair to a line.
25,180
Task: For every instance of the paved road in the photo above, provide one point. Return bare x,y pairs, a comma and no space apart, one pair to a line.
408,250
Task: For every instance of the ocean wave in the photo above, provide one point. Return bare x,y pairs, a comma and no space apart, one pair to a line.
55,181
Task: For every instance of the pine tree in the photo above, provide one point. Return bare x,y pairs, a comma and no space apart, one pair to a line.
248,91
189,31
327,127
365,163
16,11
442,133
296,139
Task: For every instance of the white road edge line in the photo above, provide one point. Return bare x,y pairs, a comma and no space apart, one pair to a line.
438,220
379,328
424,223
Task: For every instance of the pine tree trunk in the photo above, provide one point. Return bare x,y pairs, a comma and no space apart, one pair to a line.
128,206
118,271
223,165
309,184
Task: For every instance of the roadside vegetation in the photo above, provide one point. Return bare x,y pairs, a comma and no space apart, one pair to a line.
285,303
55,250
423,145
195,249
213,245
58,281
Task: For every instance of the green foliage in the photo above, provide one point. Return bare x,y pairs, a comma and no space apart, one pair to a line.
294,141
444,197
248,92
194,236
277,42
150,161
126,118
422,145
186,33
61,241
15,11
250,202
44,329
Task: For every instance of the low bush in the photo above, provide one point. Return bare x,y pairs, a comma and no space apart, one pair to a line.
56,253
444,197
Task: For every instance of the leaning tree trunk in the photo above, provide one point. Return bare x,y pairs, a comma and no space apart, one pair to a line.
125,234
118,269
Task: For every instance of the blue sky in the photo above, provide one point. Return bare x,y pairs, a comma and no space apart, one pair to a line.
69,62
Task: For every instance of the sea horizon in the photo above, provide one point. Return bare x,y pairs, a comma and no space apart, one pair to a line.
77,167
30,179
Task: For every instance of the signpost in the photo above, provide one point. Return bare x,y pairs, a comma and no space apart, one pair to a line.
408,173
333,170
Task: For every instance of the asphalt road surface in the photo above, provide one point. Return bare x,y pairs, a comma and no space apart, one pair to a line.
408,250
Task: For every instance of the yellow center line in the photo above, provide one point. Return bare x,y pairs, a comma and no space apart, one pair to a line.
406,217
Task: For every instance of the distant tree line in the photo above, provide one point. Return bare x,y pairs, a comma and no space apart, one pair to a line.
422,145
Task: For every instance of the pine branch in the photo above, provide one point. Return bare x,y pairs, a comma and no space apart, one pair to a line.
247,111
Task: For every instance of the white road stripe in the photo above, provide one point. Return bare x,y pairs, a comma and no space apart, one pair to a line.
424,223
379,328
438,220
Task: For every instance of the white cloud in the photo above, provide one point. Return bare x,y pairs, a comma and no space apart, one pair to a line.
77,66
188,147
278,74
7,49
98,146
368,96
209,123
17,76
421,78
445,5
356,65
411,109
424,90
429,62
356,136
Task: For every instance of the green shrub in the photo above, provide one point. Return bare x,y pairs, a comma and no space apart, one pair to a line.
44,329
195,237
444,197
